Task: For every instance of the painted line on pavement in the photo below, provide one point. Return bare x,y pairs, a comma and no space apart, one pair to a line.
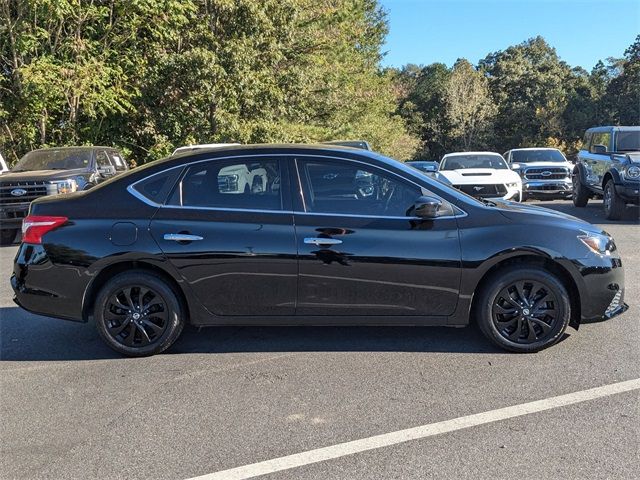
415,433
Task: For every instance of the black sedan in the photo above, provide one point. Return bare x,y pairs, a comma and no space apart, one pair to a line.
320,235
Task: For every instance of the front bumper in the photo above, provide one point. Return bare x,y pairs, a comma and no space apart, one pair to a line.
600,282
548,188
11,215
629,192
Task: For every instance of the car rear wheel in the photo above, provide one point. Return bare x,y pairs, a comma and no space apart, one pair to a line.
523,309
614,206
7,236
138,314
580,193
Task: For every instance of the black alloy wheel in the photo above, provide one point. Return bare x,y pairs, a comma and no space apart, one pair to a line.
523,308
525,311
138,314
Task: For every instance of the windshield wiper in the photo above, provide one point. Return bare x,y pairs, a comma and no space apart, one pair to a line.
21,170
628,150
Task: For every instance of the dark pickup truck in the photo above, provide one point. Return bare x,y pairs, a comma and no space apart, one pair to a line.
51,171
608,166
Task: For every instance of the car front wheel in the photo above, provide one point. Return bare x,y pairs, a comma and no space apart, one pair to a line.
614,206
523,308
580,193
138,314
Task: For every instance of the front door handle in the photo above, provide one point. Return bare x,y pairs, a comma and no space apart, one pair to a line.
181,237
322,241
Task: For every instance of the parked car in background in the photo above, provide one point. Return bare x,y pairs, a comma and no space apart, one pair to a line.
545,172
426,166
202,146
350,143
171,251
480,174
3,165
608,166
50,171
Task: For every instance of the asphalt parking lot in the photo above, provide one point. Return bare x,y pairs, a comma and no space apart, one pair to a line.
229,397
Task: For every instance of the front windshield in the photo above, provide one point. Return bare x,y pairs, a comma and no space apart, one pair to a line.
63,159
458,162
530,156
628,141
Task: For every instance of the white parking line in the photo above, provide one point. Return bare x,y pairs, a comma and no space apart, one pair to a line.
401,436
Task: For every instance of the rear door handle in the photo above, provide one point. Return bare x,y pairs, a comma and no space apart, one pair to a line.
322,241
181,237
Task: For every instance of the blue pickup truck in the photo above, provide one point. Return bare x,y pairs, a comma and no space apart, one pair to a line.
608,167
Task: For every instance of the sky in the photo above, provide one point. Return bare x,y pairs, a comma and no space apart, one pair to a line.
582,31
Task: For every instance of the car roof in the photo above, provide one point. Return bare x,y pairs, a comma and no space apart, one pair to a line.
616,128
458,154
79,147
532,148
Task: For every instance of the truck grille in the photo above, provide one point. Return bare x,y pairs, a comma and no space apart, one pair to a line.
32,190
484,191
542,173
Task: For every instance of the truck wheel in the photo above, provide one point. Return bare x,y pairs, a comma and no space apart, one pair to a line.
523,308
138,314
8,236
580,193
614,206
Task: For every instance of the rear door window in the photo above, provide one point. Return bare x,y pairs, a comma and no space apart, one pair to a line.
251,184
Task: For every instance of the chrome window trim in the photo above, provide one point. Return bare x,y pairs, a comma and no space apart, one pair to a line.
131,189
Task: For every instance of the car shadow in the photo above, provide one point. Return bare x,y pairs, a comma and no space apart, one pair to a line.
593,212
28,337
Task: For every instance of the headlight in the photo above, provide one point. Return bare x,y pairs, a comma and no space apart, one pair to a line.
512,185
632,172
64,186
600,244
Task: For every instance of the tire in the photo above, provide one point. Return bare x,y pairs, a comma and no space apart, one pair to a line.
509,323
123,298
580,192
614,206
7,237
523,197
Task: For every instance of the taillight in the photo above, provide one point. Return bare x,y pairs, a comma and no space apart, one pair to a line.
35,226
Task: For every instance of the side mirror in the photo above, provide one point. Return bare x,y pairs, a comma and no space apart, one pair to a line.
515,166
427,207
599,149
107,171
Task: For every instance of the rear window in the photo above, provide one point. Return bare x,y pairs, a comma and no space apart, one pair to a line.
156,188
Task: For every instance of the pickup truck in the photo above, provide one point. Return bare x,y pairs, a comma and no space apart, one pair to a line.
608,166
51,171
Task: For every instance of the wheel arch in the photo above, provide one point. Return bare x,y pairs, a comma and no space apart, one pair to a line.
611,175
118,267
549,264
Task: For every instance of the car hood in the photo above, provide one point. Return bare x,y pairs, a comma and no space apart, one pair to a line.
41,175
545,164
516,211
477,176
634,157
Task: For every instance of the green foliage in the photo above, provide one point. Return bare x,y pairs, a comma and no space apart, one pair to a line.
151,75
520,97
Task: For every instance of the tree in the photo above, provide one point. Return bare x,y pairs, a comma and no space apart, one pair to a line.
155,74
623,91
469,106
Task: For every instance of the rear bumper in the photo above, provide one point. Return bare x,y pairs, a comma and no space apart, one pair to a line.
42,287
